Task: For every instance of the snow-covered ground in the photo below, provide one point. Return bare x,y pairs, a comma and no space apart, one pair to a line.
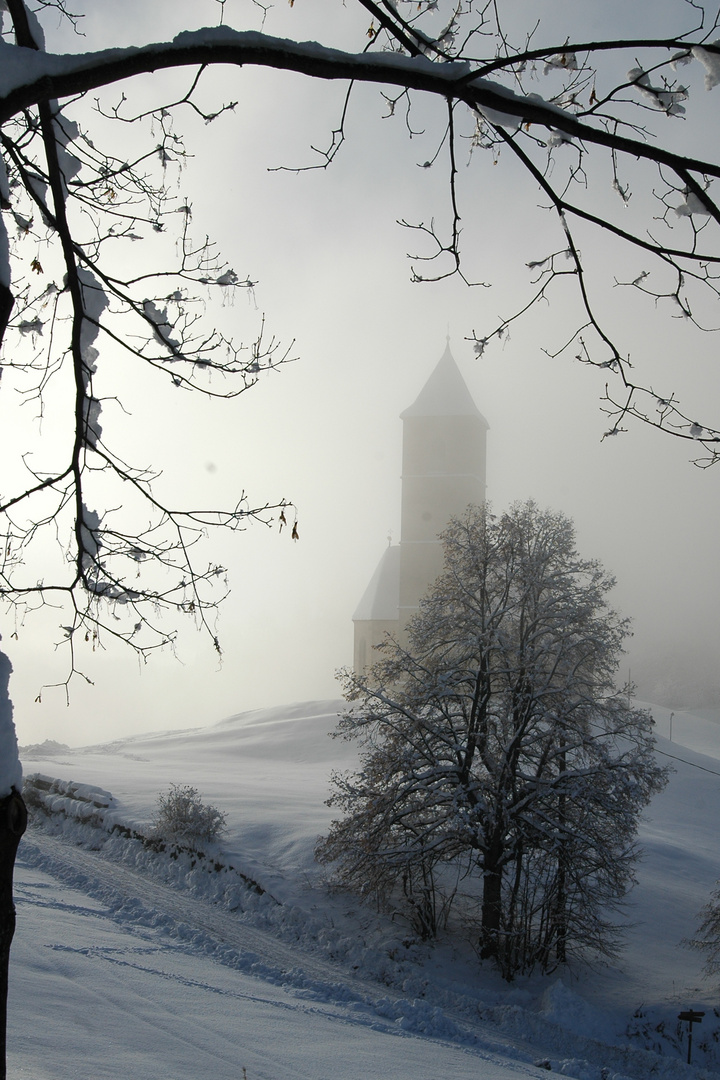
129,962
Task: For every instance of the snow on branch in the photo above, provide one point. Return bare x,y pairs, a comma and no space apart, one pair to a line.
124,556
28,79
549,109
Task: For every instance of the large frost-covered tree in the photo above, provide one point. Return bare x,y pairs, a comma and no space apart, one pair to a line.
85,187
502,772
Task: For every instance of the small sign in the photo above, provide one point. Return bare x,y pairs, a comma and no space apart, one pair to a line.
692,1017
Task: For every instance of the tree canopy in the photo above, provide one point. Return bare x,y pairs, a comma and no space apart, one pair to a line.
582,118
502,773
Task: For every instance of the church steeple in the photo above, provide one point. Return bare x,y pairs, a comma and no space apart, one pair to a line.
445,393
443,471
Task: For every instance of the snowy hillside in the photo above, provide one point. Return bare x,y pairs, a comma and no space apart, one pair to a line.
131,962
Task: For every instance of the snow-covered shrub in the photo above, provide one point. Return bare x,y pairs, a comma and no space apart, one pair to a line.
184,817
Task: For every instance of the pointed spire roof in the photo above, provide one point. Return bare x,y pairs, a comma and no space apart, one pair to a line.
445,393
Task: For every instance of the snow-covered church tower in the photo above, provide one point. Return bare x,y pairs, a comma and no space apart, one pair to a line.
443,471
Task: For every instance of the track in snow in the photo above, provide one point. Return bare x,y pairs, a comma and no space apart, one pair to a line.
140,903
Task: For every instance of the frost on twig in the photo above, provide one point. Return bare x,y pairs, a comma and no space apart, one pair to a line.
107,274
126,561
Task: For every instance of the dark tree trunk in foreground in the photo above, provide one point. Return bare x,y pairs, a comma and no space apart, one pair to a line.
13,820
491,904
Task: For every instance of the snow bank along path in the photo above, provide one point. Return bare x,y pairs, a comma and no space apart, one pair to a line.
208,915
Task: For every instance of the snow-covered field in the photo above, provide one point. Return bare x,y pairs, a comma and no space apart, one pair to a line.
129,962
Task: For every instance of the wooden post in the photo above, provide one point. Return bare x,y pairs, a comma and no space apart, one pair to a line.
13,821
691,1017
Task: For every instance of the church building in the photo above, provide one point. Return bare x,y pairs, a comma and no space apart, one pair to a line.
443,471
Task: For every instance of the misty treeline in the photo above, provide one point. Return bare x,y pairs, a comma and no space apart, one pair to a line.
502,774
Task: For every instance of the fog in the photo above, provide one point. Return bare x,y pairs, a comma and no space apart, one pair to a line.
324,431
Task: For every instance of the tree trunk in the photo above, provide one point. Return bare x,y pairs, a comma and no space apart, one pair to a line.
13,820
6,299
561,902
491,907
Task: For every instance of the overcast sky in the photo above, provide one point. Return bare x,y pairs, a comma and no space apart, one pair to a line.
333,275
